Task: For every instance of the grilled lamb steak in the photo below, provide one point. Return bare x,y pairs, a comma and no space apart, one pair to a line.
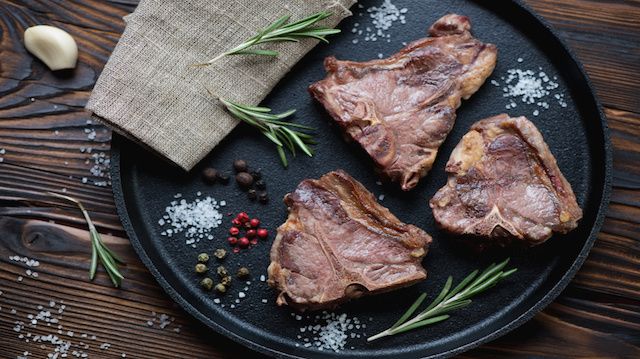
505,185
339,243
400,109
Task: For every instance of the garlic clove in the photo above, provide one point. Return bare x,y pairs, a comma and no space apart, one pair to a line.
53,46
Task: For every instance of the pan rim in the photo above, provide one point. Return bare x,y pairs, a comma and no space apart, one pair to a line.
513,323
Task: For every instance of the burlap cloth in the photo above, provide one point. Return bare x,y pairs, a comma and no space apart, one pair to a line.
149,92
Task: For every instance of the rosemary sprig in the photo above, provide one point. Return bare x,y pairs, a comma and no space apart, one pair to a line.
280,31
282,133
107,257
448,299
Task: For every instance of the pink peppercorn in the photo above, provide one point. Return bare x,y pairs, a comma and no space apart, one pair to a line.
243,217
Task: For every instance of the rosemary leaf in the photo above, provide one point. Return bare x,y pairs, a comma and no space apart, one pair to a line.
448,300
423,323
462,284
99,251
277,131
280,31
256,52
94,262
440,296
411,310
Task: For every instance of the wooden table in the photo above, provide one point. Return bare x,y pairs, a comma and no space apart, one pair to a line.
44,137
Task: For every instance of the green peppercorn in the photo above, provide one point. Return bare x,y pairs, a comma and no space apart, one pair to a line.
201,268
220,253
222,271
220,288
243,272
203,258
206,283
226,281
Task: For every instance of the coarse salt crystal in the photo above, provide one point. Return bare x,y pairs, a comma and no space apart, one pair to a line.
196,219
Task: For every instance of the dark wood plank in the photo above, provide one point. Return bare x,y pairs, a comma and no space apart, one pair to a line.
116,316
604,35
43,133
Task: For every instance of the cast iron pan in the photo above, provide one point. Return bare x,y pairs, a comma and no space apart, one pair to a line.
577,135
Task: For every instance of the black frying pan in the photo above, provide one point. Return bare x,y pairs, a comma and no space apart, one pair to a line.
577,135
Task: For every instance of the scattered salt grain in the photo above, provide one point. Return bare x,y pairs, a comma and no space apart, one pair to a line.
531,87
382,19
262,278
381,197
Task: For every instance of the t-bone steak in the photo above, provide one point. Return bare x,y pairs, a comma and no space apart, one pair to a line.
504,185
339,243
400,109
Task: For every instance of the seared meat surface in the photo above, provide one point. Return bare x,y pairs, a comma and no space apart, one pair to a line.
504,185
400,109
339,243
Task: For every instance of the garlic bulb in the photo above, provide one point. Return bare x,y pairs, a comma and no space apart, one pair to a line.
54,46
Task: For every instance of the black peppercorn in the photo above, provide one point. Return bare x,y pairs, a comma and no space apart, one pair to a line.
210,175
240,165
257,174
252,194
220,288
244,179
222,271
223,178
226,281
260,184
263,197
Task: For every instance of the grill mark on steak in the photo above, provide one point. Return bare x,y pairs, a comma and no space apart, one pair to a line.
504,185
338,243
400,109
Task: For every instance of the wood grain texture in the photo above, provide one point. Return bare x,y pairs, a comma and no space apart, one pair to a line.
44,142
